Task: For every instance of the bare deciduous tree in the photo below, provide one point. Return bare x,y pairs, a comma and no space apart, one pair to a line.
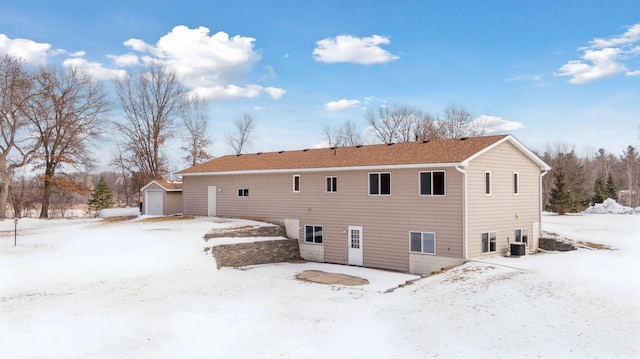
243,134
631,170
345,135
67,112
151,102
195,142
395,124
17,143
456,123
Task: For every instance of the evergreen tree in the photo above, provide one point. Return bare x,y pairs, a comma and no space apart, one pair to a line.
611,190
100,196
573,178
600,191
560,197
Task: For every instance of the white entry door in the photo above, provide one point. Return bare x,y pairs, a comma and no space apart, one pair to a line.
355,245
154,203
211,211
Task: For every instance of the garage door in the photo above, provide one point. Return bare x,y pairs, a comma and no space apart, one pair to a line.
154,203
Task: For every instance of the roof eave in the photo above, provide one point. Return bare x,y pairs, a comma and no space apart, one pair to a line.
537,160
327,169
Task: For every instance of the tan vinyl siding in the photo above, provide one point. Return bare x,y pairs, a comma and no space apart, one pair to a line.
172,202
386,220
502,211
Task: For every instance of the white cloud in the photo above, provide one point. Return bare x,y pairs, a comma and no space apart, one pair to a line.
493,124
632,35
347,48
137,45
126,60
599,64
213,65
274,92
95,69
633,73
231,92
603,58
340,105
30,51
536,80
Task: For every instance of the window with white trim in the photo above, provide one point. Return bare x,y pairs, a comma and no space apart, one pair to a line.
489,242
522,235
423,242
487,183
296,183
332,184
432,183
516,183
243,192
380,184
313,234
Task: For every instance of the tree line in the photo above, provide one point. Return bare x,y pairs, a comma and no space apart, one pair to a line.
50,117
576,182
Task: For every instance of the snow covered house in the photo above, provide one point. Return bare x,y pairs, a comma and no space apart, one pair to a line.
413,207
161,197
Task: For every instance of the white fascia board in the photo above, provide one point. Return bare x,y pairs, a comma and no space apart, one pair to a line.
149,184
327,169
537,160
161,186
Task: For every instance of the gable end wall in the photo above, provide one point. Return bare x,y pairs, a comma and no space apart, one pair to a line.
502,211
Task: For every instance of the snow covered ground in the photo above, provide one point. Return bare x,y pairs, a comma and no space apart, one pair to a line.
89,288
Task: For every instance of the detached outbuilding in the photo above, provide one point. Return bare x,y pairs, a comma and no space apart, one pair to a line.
161,198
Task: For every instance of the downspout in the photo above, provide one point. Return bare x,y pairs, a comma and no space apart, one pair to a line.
464,212
541,206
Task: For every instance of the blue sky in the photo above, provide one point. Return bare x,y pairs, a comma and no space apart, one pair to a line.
545,71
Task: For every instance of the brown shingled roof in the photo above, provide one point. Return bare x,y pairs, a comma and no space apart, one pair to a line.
432,152
170,185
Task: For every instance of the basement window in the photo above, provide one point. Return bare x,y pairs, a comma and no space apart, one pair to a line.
423,242
522,235
313,234
489,242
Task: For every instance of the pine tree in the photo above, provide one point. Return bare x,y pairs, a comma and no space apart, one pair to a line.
100,196
600,191
560,197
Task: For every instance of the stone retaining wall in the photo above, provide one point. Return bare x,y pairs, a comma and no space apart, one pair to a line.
261,252
552,244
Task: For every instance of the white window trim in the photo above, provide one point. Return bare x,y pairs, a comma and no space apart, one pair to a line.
314,236
516,183
379,184
335,190
432,195
243,189
293,184
485,184
515,238
489,233
435,242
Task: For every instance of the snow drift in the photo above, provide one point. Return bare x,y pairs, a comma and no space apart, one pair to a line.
610,206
